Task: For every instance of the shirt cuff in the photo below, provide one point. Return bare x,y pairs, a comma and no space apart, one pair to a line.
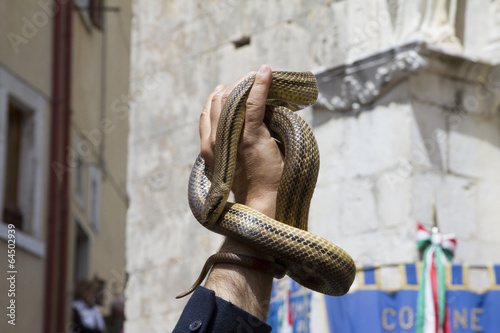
206,312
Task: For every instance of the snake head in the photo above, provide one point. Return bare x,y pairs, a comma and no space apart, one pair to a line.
210,214
214,205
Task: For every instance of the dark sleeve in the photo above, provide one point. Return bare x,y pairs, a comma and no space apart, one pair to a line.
206,312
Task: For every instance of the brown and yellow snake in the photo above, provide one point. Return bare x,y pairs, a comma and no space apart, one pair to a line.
308,259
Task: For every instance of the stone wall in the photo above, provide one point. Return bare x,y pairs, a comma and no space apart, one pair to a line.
408,116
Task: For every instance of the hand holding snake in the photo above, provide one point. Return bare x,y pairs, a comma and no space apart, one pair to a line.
260,163
310,260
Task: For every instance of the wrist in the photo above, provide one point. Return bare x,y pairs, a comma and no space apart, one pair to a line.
247,288
264,201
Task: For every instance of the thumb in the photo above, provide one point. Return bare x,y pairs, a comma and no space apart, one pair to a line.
256,102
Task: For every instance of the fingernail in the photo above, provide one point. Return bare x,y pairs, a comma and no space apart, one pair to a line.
263,70
219,87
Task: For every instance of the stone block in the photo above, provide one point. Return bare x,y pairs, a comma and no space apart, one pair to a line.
455,201
393,202
487,252
468,250
435,90
457,207
379,246
358,208
372,142
488,212
324,213
429,137
328,28
369,28
474,147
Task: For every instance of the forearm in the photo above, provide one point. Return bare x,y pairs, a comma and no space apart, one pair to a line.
246,288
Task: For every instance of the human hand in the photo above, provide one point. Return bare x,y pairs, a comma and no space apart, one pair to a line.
259,163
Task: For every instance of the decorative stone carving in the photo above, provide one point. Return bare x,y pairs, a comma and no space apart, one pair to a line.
350,87
357,86
438,24
492,49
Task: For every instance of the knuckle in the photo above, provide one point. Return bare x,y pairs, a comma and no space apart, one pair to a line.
254,102
216,97
225,96
204,113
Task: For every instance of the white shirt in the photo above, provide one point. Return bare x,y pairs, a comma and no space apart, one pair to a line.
90,315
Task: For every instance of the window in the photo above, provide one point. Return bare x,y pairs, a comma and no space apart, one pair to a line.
96,13
91,12
79,177
82,249
83,6
24,156
19,173
94,195
12,214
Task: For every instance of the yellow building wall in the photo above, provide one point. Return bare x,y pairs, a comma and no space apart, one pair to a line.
100,79
27,48
101,61
29,292
26,53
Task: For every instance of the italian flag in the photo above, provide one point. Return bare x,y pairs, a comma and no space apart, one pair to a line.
432,313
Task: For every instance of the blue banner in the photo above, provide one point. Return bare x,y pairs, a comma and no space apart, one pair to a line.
371,309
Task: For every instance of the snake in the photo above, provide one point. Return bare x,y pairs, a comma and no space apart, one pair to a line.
310,260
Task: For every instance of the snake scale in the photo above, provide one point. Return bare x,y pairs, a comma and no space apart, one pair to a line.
308,259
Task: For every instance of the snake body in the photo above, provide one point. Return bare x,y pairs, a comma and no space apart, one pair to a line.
308,259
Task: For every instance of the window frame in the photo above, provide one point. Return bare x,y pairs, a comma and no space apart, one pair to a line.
79,176
13,88
94,195
91,13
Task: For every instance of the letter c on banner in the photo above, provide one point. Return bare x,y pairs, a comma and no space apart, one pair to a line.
385,324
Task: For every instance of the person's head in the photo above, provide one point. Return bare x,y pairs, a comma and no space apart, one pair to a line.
87,291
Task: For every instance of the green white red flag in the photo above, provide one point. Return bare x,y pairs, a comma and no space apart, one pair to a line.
432,313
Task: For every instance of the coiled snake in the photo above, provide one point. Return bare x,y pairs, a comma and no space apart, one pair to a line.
308,259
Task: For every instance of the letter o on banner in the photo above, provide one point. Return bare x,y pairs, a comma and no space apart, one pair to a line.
409,322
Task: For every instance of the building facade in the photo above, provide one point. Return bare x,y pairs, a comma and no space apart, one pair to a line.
64,72
407,120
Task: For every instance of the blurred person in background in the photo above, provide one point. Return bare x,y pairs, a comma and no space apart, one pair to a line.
86,317
114,322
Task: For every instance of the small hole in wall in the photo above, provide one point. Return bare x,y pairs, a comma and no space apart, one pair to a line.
245,40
